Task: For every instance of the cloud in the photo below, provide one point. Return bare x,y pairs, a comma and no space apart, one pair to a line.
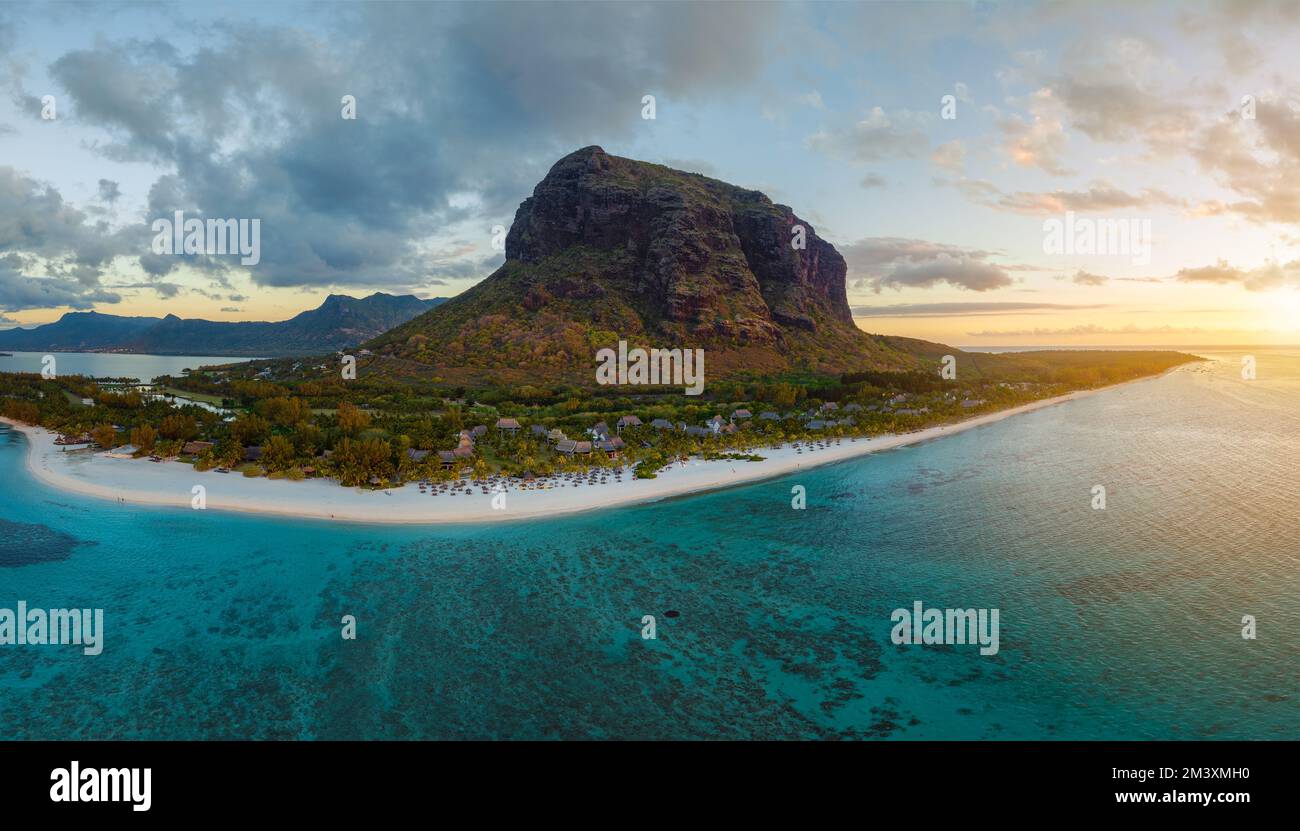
451,100
19,292
875,137
1115,110
965,309
109,191
1083,278
162,288
871,180
1098,196
1259,160
1039,140
951,156
1110,86
961,272
1264,278
41,234
894,262
1092,329
813,99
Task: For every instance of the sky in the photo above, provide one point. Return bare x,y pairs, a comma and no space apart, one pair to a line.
959,155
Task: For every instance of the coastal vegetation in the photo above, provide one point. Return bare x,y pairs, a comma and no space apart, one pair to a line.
284,421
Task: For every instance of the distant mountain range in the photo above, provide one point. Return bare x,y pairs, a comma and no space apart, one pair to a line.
609,248
341,321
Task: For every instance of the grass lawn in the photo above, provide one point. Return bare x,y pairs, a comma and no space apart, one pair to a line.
214,400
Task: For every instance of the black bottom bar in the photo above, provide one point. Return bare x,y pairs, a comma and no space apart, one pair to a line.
337,780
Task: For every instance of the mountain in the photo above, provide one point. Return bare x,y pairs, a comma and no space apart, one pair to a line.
609,248
77,332
339,322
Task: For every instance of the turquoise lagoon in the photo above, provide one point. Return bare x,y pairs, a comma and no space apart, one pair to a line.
1123,623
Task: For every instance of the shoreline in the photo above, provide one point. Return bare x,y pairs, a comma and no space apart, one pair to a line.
170,484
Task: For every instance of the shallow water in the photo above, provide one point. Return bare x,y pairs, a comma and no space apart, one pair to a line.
1118,623
108,365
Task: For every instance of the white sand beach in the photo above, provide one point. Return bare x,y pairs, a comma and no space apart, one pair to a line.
140,481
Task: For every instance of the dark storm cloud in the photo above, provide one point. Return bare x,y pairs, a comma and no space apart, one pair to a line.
473,100
19,292
51,252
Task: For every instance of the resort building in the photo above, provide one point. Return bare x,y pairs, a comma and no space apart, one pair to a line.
464,450
627,421
508,425
195,448
569,447
661,424
740,414
769,416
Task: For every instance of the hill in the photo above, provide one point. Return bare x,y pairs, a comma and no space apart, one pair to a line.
341,321
609,248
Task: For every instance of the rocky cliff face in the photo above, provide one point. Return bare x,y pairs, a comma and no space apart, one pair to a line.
709,256
608,247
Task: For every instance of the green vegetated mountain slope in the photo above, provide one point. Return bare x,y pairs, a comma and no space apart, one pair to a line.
609,248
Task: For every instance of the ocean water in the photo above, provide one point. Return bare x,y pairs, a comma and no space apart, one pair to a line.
108,365
1123,623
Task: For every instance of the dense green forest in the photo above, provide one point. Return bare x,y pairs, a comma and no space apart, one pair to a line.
282,420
